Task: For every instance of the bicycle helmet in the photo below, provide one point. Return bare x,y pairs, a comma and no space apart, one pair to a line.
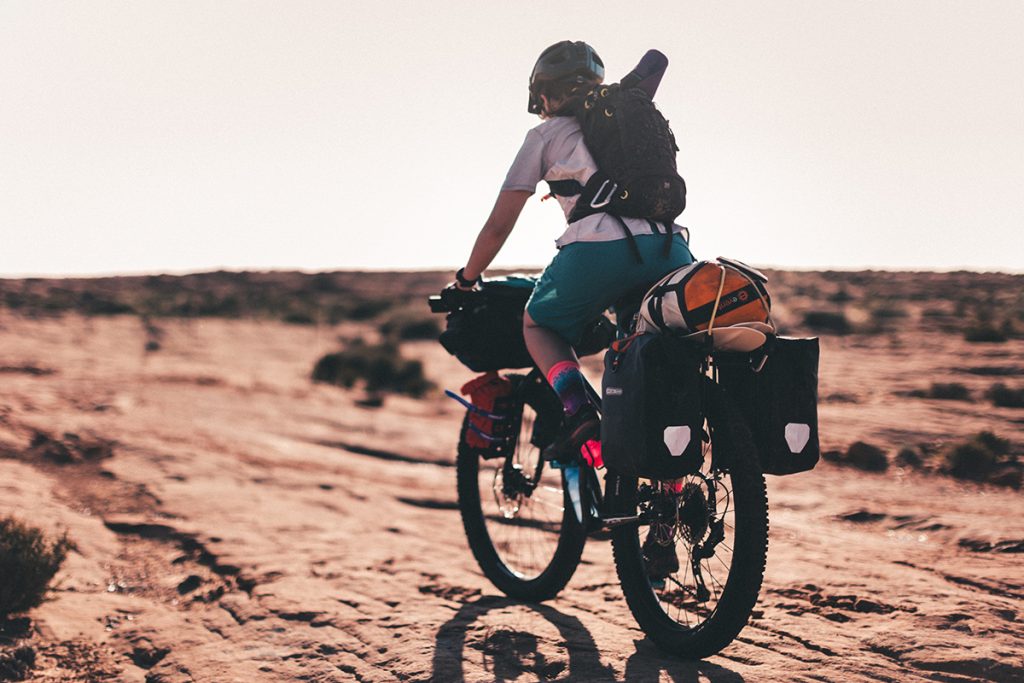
564,62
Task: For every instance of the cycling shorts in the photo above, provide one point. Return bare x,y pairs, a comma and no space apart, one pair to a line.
586,278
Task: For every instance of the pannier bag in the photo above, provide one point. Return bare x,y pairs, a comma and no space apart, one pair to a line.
652,422
778,399
485,331
495,419
708,295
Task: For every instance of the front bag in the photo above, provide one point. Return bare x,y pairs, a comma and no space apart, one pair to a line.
651,408
776,391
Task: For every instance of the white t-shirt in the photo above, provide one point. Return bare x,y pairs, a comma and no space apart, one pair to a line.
555,150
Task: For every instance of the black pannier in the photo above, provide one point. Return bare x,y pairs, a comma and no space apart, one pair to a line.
652,422
775,389
484,328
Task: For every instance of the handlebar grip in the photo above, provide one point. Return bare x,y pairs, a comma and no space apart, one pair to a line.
437,304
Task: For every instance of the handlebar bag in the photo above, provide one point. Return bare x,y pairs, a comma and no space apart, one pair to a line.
652,420
778,398
485,331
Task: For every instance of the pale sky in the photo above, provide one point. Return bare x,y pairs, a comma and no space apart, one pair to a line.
173,136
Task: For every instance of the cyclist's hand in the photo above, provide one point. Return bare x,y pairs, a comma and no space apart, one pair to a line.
462,284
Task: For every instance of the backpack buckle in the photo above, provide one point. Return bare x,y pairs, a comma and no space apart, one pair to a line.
596,202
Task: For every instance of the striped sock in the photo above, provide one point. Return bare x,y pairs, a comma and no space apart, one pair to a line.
567,381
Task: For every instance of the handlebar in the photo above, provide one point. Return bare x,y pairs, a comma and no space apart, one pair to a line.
452,300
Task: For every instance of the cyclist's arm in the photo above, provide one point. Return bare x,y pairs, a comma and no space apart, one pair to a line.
495,231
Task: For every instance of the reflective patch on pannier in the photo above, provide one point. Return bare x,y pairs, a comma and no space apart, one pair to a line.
677,439
797,436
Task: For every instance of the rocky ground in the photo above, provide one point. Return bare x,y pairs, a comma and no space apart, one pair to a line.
233,521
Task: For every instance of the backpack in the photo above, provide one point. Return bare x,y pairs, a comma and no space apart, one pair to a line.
652,407
711,295
635,152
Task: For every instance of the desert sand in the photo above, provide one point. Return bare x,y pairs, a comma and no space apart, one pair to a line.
233,521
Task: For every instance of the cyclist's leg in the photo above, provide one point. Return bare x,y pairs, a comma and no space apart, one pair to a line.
582,281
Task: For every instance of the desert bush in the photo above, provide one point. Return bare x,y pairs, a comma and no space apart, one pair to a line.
976,458
841,296
866,457
1005,397
94,304
946,391
28,563
380,366
828,322
408,325
367,309
298,318
909,457
17,663
984,332
883,313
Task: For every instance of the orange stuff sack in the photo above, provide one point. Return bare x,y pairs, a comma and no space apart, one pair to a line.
700,295
489,394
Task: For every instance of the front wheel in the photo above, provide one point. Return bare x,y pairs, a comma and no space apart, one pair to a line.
516,511
691,567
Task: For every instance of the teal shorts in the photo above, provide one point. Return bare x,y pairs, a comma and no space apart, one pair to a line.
586,278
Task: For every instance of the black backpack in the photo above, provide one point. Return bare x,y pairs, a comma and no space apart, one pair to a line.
635,151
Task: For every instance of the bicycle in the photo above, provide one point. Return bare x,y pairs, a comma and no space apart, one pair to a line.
527,513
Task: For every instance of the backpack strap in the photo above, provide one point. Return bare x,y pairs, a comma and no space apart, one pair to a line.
629,237
565,188
597,194
667,251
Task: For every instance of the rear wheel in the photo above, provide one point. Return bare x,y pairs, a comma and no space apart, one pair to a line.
691,569
518,518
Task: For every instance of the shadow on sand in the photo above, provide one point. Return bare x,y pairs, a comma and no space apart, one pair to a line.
514,652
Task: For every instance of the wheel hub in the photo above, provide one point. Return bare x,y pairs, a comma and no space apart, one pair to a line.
694,513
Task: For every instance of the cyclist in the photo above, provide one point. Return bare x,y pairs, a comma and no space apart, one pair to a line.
596,263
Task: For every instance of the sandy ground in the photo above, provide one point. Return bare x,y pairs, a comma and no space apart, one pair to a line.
251,526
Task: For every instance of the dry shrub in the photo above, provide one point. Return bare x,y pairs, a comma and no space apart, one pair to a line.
409,325
1005,397
867,457
298,318
380,367
27,565
978,458
827,322
885,313
984,333
863,456
945,391
17,663
367,309
909,457
840,296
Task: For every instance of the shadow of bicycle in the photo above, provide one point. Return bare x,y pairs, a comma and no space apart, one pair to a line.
509,652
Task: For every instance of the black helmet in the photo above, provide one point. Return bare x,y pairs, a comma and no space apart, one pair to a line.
564,62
